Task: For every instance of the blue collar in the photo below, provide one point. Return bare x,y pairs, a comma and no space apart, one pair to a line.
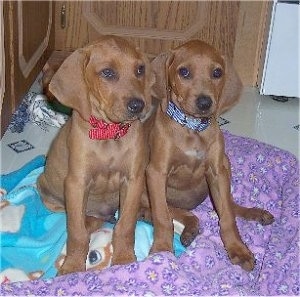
175,113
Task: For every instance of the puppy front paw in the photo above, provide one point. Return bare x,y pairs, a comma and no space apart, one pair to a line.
239,254
71,266
162,246
123,258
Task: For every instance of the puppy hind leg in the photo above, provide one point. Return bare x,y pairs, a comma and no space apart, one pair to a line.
92,224
190,222
145,215
186,218
254,214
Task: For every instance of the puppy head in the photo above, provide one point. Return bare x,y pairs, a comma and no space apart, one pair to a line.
198,79
110,79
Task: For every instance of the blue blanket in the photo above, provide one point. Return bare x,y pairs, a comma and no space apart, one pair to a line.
33,238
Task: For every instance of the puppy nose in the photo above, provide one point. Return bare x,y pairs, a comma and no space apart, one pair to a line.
135,105
204,102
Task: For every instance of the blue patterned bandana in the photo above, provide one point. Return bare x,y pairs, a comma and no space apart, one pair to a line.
175,113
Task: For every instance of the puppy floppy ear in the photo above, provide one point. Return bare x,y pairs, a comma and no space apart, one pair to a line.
160,67
232,88
150,76
68,84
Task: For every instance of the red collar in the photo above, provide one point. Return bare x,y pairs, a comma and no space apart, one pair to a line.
102,130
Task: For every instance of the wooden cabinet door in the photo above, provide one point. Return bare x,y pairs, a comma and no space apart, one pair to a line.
234,27
28,41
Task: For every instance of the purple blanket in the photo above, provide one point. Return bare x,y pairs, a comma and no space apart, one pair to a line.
262,176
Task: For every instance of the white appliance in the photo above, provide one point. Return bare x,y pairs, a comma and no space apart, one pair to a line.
280,75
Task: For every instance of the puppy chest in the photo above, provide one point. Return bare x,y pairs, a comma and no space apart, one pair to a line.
194,154
106,182
186,174
192,147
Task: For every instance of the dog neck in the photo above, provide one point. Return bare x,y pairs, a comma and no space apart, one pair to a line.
196,124
101,130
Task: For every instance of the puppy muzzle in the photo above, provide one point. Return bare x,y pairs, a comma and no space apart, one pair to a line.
204,103
135,106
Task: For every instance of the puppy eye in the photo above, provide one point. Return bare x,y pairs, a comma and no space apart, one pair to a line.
184,72
140,70
108,73
217,73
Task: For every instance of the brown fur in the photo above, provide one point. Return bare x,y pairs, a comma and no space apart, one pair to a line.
49,70
186,165
96,177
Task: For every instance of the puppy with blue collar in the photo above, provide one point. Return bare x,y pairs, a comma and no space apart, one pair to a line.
187,159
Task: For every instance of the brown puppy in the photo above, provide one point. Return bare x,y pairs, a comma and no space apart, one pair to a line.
188,158
94,167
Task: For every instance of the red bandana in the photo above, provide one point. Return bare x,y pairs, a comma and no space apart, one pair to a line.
102,130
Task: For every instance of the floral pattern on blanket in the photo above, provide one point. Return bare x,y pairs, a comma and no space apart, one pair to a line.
262,176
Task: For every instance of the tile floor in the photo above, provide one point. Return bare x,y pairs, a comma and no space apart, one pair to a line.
267,120
255,116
